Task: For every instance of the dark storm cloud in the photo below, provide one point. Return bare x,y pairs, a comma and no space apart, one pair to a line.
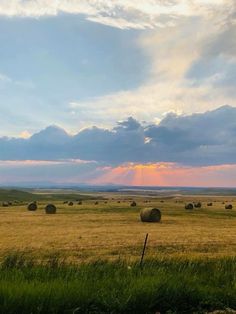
199,139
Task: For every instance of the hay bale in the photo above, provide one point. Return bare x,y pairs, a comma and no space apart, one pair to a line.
209,204
96,203
133,204
198,205
150,215
5,204
65,202
32,206
189,206
80,203
50,209
228,206
70,204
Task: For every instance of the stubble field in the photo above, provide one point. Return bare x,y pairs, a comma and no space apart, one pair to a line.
85,258
113,230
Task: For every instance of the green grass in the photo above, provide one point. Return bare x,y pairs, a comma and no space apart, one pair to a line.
168,286
26,196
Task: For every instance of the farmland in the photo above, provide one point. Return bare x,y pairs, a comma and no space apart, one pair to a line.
112,229
87,256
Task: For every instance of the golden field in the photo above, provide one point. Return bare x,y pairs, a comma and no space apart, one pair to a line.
109,231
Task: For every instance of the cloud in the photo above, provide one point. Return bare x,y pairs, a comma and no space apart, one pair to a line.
121,13
4,78
198,139
25,134
179,67
190,70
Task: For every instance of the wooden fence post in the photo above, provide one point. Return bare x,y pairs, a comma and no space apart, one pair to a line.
144,249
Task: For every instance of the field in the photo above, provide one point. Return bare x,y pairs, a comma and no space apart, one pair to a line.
113,230
85,259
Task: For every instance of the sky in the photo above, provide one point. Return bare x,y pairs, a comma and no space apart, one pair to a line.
118,92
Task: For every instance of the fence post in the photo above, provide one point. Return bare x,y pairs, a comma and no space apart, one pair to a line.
144,249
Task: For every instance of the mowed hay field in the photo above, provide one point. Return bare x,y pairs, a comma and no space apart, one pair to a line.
86,258
113,230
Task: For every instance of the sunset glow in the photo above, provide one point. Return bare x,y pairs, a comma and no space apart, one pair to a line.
169,174
121,92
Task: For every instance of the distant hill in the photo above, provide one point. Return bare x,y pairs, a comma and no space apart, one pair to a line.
26,196
12,195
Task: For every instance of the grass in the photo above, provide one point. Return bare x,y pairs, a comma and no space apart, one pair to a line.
28,196
162,285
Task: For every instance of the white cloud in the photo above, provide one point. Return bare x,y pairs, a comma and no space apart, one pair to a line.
25,134
150,102
5,78
120,13
172,51
168,88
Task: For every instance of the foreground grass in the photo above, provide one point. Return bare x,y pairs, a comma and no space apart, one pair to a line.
166,286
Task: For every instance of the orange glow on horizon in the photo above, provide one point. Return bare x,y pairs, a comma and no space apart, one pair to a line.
168,174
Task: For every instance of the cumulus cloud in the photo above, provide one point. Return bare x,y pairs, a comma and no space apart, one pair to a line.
198,139
121,13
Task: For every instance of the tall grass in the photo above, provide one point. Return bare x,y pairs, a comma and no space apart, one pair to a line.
167,286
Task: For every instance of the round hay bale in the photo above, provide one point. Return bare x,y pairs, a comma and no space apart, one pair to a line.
32,206
96,203
189,206
133,204
70,204
5,204
209,204
50,209
198,205
150,215
80,203
229,206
